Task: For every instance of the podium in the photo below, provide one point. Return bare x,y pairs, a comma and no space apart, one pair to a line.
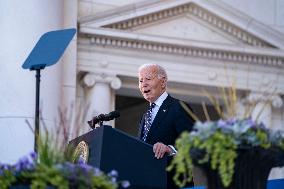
111,149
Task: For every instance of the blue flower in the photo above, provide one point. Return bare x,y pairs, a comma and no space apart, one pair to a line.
113,179
85,168
24,164
232,121
97,172
125,184
34,156
243,132
221,123
77,175
113,173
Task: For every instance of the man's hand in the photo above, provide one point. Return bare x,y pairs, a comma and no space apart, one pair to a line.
161,149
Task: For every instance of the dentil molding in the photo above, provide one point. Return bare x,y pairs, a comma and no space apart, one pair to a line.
143,42
120,23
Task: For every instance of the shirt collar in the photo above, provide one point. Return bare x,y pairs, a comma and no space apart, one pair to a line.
161,99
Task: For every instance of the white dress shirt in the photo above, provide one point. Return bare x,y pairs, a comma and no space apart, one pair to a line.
158,103
155,110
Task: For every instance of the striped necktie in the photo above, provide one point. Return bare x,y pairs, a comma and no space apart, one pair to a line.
148,121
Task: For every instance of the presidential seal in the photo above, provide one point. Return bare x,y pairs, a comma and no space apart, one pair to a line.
81,152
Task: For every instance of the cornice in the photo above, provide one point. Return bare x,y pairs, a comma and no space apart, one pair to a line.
198,12
129,40
215,13
130,11
245,22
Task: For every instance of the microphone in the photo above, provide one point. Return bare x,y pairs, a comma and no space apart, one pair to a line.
111,115
103,117
95,120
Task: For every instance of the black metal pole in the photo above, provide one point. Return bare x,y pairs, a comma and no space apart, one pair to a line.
37,110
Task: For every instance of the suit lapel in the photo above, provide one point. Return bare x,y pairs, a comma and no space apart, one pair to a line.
163,111
141,125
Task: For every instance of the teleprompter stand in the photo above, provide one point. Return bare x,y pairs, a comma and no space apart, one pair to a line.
46,52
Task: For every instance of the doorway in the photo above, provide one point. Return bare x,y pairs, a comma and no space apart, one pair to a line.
132,108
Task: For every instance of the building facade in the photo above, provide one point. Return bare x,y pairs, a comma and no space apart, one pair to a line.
203,44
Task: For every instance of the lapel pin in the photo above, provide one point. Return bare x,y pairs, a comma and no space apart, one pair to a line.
164,110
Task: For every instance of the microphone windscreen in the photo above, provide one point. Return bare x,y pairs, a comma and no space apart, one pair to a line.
114,114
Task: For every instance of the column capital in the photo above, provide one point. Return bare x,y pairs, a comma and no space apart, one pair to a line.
90,79
255,97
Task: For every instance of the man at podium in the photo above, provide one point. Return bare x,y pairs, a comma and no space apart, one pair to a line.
165,119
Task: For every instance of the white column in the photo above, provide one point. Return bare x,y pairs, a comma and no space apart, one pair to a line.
262,113
276,173
100,94
263,110
22,24
264,103
69,59
240,109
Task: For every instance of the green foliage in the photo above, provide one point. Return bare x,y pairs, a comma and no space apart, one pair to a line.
61,176
51,167
54,164
99,182
6,179
215,144
220,152
46,175
48,154
262,137
182,162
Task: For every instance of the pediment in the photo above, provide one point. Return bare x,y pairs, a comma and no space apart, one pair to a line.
187,27
200,20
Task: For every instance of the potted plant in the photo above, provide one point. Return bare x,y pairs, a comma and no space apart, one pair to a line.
54,167
28,173
231,153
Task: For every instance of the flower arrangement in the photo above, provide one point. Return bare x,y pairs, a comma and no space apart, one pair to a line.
62,175
54,167
216,142
219,146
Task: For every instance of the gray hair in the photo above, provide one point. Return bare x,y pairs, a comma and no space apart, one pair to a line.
161,72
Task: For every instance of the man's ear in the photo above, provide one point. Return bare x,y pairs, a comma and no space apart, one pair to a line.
164,83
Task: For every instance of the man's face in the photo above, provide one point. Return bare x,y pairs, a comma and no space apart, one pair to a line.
150,85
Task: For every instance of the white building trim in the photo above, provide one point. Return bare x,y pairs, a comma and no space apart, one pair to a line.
216,13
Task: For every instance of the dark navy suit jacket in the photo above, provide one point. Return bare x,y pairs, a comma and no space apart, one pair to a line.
170,121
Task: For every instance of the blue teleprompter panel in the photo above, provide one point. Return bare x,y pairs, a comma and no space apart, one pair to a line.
49,49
